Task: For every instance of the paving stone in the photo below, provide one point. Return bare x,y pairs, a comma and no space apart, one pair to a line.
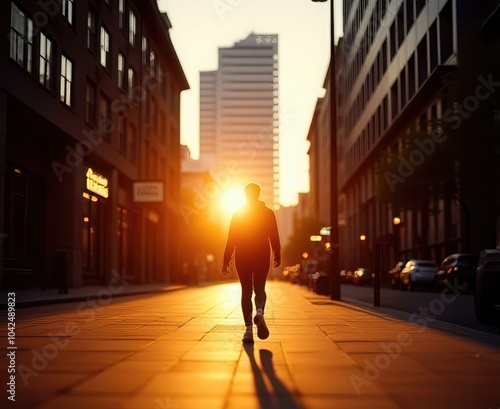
183,350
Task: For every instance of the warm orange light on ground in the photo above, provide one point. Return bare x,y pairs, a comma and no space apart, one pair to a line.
232,199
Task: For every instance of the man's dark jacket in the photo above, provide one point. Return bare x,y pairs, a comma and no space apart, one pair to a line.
252,233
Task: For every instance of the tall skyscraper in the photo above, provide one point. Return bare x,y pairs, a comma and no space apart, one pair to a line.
239,116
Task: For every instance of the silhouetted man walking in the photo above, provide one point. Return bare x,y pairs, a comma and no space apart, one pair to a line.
252,234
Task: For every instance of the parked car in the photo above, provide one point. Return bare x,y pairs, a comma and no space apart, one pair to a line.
311,281
487,288
395,274
291,274
346,277
458,270
418,273
362,276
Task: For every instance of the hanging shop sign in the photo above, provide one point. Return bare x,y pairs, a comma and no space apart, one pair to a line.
148,192
97,183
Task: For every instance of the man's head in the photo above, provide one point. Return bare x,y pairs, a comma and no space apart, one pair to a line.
252,192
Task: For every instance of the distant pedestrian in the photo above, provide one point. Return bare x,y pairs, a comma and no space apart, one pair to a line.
253,234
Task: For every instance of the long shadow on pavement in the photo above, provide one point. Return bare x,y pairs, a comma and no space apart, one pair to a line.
279,396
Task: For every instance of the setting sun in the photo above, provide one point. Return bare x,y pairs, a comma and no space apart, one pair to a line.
232,199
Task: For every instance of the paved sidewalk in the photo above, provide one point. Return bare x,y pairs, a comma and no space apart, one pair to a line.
183,350
36,296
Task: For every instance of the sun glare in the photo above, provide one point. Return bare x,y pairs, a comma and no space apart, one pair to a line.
232,199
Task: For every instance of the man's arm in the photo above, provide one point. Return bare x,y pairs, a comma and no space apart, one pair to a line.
229,248
274,238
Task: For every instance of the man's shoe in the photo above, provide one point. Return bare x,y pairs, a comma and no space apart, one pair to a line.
262,330
248,336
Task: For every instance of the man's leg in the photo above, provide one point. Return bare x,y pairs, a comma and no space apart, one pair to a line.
259,285
245,277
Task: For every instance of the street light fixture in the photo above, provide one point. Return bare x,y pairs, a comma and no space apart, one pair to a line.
334,236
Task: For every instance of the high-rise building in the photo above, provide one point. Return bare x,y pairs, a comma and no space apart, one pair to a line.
417,130
239,116
89,143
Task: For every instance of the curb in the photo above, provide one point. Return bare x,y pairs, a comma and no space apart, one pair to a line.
387,313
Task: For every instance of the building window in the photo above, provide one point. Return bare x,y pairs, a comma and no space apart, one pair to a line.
411,76
144,50
152,64
132,28
67,10
410,15
385,112
91,31
25,198
392,39
419,4
433,46
147,105
122,137
121,13
422,61
132,143
93,223
90,103
402,86
147,161
131,83
105,50
105,117
154,164
163,127
446,32
66,94
394,100
21,38
121,71
401,26
164,82
46,57
154,114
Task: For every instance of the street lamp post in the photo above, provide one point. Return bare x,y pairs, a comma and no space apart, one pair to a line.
334,254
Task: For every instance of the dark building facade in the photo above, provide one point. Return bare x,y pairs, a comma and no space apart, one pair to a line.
418,129
89,143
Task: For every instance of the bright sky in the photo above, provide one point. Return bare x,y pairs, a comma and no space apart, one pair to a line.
200,27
